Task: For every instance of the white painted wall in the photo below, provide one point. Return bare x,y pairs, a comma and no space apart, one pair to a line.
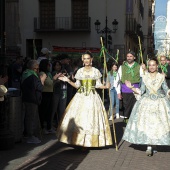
28,10
98,9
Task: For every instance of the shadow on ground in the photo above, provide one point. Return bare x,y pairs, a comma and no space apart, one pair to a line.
24,156
144,147
60,154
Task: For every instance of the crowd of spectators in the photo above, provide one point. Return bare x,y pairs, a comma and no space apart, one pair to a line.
44,96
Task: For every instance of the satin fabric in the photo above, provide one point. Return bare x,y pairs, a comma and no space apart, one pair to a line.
85,122
149,122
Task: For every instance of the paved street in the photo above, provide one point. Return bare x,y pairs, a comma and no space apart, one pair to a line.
53,155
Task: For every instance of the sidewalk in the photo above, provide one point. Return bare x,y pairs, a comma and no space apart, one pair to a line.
53,155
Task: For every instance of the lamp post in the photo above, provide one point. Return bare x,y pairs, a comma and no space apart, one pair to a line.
106,30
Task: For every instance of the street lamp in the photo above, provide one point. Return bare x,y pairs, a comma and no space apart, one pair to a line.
106,30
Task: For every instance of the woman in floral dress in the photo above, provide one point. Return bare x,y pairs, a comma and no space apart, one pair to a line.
149,122
85,121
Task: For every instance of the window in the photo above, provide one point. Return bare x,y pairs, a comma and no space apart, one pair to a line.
80,14
47,14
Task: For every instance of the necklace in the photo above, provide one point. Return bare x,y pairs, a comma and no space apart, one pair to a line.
87,70
152,76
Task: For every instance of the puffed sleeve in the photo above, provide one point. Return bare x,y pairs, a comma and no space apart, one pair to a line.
77,75
165,88
77,83
98,83
78,78
98,76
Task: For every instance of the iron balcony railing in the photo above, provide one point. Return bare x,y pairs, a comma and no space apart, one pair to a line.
150,12
133,29
150,31
62,24
131,25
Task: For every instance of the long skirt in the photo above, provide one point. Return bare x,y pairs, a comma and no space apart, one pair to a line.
85,122
149,122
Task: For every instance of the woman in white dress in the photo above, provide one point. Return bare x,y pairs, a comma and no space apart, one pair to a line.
149,123
85,121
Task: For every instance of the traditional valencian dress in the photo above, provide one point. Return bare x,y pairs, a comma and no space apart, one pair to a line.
149,122
85,122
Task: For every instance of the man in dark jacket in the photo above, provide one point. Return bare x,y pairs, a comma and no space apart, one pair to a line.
32,87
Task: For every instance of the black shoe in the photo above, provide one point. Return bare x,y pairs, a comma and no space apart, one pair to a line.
154,147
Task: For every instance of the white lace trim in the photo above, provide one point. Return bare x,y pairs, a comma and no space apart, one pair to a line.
94,74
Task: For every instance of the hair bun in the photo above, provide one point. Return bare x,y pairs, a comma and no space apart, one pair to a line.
89,53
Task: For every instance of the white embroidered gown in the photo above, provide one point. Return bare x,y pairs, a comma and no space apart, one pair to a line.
149,122
85,122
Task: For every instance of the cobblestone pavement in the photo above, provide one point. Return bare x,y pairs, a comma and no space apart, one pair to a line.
53,155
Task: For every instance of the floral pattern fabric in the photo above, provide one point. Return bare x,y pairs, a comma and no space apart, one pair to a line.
149,122
85,122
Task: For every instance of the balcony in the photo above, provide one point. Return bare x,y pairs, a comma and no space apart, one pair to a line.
62,24
141,9
131,25
150,31
153,17
150,12
133,29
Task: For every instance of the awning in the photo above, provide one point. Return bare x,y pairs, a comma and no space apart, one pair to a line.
75,51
